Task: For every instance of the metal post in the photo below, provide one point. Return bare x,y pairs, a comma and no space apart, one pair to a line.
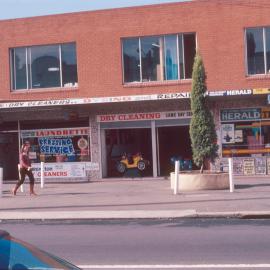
19,140
42,174
176,177
231,174
1,181
154,148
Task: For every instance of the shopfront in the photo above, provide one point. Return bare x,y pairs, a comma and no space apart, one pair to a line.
158,136
245,135
66,152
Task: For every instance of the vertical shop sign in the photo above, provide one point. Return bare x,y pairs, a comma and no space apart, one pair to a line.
227,133
249,166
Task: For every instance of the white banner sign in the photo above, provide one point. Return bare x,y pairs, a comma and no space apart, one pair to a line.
64,170
144,116
77,101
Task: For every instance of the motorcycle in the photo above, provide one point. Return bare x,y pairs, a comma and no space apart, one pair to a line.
129,161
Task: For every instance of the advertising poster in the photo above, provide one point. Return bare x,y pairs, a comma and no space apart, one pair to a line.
238,136
268,165
227,133
238,166
249,166
64,170
260,165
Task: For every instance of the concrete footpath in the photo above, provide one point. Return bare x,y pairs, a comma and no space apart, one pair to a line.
136,198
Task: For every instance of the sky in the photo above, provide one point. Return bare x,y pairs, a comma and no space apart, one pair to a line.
27,8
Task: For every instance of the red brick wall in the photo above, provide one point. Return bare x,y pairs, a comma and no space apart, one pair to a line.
219,25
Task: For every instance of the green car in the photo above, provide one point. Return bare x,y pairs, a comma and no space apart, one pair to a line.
19,255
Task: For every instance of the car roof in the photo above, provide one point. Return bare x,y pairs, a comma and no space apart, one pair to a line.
4,234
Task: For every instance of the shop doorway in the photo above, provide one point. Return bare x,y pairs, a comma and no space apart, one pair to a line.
131,142
9,155
172,142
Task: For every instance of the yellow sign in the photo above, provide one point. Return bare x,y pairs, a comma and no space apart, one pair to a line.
260,91
265,113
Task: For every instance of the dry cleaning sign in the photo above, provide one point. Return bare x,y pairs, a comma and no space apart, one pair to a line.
56,146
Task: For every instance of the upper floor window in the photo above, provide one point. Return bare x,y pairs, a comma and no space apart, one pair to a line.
258,50
158,58
44,66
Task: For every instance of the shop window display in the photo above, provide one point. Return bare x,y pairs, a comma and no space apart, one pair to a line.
58,145
245,139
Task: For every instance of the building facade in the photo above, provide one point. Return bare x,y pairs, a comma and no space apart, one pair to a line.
86,87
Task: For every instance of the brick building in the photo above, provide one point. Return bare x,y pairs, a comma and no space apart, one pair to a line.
85,87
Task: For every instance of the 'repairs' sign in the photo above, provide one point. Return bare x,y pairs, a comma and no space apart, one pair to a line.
247,114
144,116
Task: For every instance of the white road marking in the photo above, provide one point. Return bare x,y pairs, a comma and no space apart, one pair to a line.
177,266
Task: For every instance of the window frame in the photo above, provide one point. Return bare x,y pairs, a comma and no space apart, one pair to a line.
266,72
28,64
162,36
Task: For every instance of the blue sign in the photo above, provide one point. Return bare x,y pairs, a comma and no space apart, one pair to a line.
56,146
248,114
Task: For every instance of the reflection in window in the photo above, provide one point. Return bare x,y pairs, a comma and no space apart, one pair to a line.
267,38
44,66
181,56
18,60
131,60
189,53
171,60
69,64
150,54
158,58
255,51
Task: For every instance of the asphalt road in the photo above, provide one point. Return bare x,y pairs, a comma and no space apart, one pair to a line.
153,244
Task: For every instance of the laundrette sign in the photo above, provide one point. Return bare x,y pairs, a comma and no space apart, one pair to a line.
247,114
144,116
55,132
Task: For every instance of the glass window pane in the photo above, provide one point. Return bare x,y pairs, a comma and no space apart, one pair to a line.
255,51
69,64
171,62
267,38
45,66
150,52
131,59
189,53
19,68
181,56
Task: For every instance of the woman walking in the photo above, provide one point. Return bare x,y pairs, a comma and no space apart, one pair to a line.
25,169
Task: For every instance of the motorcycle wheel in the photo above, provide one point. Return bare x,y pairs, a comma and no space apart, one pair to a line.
141,165
121,167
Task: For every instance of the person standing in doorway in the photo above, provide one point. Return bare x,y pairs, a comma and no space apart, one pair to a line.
25,169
